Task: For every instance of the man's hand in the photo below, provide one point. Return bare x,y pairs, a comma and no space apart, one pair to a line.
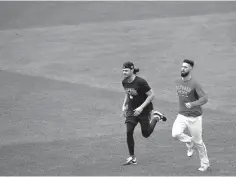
124,110
188,105
138,111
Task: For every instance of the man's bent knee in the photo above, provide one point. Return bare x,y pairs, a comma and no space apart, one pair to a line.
145,134
197,142
176,135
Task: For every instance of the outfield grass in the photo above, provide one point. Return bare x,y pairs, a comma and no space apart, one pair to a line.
61,95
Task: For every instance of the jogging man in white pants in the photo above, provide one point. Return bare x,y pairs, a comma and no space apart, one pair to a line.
191,98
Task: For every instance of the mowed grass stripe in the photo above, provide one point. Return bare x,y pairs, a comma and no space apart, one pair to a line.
58,128
93,53
39,109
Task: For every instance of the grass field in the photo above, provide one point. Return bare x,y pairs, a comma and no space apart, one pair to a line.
61,95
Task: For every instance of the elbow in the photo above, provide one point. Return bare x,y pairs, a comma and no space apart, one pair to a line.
206,99
153,95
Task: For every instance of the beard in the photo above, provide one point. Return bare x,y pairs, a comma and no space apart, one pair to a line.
184,74
127,77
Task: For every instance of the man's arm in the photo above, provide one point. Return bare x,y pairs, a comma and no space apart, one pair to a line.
151,96
144,88
125,102
203,99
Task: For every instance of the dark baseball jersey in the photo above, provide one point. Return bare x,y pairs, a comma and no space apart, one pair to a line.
189,92
136,91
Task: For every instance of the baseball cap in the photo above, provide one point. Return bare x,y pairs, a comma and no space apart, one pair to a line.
129,65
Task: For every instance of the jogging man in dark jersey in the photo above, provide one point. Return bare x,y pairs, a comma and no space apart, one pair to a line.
137,107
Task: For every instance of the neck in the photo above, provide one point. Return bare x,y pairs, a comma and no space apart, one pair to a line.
131,78
188,77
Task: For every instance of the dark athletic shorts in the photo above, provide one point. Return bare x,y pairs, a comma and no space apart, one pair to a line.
143,119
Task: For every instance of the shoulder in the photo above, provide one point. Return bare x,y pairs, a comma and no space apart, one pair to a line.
195,82
178,81
197,85
124,82
141,80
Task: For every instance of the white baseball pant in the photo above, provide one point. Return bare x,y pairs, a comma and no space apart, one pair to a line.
194,125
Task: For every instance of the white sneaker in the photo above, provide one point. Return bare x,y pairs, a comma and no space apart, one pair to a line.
190,150
159,116
204,168
130,160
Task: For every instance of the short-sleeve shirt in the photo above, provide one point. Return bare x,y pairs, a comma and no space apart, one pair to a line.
187,91
136,91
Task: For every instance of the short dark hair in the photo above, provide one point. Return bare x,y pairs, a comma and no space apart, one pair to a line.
190,62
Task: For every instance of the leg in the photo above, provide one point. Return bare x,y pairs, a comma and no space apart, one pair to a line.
130,138
178,129
195,129
147,126
131,123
